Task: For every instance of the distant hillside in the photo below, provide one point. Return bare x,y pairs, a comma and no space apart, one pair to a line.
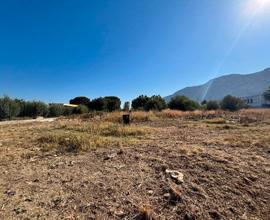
234,84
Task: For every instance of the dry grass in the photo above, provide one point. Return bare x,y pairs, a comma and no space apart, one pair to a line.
216,121
77,136
226,172
146,213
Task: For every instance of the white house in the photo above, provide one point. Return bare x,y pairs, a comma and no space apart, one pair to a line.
256,101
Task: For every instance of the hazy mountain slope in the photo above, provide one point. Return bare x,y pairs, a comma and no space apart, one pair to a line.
234,84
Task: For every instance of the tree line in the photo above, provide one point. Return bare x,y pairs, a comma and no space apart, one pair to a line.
11,108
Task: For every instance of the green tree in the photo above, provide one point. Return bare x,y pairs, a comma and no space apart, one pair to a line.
9,108
126,106
232,103
139,103
81,109
183,103
36,108
156,103
97,104
266,94
56,110
212,105
112,103
80,100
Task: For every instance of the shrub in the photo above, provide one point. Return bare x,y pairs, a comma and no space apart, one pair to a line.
140,102
35,109
156,103
108,103
56,110
80,100
81,109
183,103
97,104
68,111
9,108
266,94
232,103
112,103
212,105
126,106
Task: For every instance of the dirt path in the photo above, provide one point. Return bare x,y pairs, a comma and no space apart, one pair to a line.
12,122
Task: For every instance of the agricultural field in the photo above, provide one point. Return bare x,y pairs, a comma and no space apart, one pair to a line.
164,165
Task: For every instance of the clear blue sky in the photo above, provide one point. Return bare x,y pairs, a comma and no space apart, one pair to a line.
53,50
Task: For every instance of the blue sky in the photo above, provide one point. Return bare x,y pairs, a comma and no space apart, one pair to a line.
53,50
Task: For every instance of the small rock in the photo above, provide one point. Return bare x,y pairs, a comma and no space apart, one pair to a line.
61,163
215,215
189,217
150,192
167,196
110,156
35,180
119,213
175,175
10,193
28,200
19,210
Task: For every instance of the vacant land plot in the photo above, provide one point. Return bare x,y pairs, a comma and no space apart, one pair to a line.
168,165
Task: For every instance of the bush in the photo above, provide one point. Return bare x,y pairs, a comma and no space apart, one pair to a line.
81,109
97,104
212,105
140,102
155,103
112,103
9,108
56,110
80,100
35,109
266,94
183,103
232,103
126,106
108,103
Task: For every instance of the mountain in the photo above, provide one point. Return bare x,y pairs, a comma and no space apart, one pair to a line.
239,85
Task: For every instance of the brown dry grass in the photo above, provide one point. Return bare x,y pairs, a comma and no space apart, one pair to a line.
118,171
78,136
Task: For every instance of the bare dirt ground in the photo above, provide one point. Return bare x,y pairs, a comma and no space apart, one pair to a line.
225,167
15,122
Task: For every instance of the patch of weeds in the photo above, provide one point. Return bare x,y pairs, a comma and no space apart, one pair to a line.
216,121
74,137
146,213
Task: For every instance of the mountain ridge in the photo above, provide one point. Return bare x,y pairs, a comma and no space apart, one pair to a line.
240,85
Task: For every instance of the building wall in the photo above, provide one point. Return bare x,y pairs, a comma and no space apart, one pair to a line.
255,101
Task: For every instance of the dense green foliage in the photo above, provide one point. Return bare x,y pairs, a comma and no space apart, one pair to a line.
97,105
81,109
108,103
56,110
143,102
183,103
266,94
155,103
112,103
80,100
9,108
140,102
212,105
232,103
